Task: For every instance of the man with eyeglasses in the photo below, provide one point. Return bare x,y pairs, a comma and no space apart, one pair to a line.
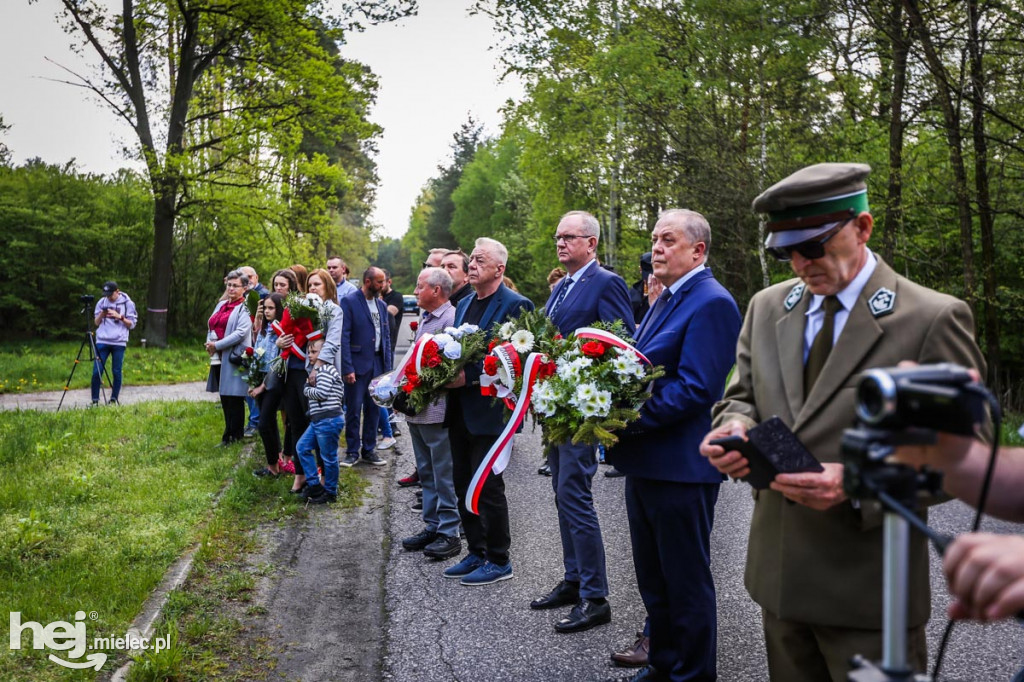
587,294
814,558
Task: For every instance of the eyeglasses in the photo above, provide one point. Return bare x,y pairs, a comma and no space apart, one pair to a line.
567,238
231,285
810,249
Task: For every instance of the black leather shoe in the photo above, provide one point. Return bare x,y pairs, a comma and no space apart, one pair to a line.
443,547
648,674
613,473
564,593
585,615
545,470
416,543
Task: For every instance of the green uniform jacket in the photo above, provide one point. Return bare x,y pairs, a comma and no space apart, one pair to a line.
825,567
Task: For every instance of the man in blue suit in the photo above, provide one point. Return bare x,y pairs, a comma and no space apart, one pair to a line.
587,294
365,353
475,422
691,330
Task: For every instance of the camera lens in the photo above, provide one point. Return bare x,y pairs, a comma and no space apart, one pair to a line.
876,397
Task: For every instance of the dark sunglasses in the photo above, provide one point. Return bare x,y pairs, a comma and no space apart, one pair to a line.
810,249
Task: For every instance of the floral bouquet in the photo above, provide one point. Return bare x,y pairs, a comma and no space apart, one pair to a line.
251,367
512,344
304,317
432,363
598,386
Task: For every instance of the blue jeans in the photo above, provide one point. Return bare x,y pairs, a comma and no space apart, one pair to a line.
254,411
434,462
385,423
324,433
104,351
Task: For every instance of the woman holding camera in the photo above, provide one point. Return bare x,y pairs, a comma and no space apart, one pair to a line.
229,328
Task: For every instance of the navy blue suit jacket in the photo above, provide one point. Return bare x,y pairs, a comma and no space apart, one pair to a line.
598,296
357,333
483,415
695,341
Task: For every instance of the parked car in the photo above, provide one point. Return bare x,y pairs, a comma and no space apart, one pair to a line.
409,304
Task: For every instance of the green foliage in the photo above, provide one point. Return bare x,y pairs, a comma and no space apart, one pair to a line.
45,365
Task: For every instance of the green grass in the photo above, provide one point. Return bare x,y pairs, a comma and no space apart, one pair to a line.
208,617
94,506
33,366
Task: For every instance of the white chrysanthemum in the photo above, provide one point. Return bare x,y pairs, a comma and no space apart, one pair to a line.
443,340
625,366
452,350
506,330
585,392
589,409
314,300
522,341
454,332
582,363
544,400
567,372
602,403
467,328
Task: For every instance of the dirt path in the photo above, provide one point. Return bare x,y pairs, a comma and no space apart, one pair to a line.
80,397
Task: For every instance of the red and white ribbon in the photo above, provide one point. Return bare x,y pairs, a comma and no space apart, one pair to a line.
508,356
609,339
497,457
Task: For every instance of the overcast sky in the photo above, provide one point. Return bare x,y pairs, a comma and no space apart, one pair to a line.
434,69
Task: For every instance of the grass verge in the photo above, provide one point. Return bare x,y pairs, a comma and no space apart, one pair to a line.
44,365
208,617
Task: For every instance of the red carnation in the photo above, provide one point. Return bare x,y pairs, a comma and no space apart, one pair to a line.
410,373
491,345
408,387
432,361
430,350
594,349
558,337
491,366
414,325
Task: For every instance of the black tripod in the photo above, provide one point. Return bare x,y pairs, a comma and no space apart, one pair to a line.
94,356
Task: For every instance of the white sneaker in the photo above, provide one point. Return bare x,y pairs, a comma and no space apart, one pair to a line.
386,443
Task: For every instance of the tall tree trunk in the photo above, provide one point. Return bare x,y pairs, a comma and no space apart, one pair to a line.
900,46
954,141
158,298
981,185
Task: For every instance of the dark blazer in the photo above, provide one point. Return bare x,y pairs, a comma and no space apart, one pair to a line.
357,335
484,416
599,295
695,341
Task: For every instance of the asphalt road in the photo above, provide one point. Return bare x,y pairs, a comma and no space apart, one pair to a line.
438,630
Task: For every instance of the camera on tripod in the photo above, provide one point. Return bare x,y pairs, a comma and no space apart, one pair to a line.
906,406
903,406
86,298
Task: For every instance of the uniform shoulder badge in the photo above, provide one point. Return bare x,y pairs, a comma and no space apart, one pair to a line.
794,296
882,302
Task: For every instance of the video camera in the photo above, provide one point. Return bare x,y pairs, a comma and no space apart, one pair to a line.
906,406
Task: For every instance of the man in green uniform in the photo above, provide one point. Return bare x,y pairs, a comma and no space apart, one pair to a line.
814,559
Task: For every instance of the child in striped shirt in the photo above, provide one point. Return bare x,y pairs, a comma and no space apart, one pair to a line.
326,422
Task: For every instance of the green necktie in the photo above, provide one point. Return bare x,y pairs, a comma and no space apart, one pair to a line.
822,345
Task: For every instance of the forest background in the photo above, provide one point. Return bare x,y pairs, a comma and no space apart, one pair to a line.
258,148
